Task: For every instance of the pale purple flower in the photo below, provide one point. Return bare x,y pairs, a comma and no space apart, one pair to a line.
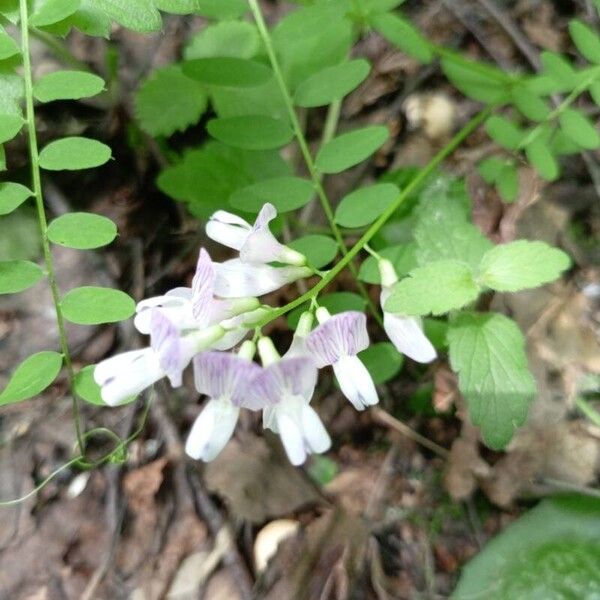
255,243
125,375
337,341
406,333
196,307
284,388
224,378
236,278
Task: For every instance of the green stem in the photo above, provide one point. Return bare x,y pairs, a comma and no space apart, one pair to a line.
329,131
418,180
43,223
588,411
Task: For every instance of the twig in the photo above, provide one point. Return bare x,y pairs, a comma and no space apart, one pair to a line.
384,418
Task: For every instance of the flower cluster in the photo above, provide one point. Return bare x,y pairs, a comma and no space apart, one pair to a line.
203,324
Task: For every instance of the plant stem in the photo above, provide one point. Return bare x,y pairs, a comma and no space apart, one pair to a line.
314,173
43,223
592,414
421,176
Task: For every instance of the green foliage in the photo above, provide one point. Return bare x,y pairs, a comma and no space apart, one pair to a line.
285,193
331,83
223,9
521,265
364,205
235,39
349,149
48,12
319,250
67,85
403,34
402,256
227,71
87,389
10,125
83,231
74,153
322,469
435,288
138,15
12,195
252,132
18,275
550,552
382,360
336,302
586,40
8,46
579,128
487,350
169,101
92,305
504,132
32,377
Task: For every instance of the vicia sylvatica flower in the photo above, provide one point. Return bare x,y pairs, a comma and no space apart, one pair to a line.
406,333
125,375
224,378
236,278
285,387
337,341
255,243
196,307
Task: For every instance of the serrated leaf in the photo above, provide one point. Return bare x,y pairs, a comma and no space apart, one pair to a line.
169,101
529,104
285,193
504,132
18,275
205,178
252,132
364,205
349,149
10,125
487,351
8,46
541,157
227,71
507,182
586,40
443,232
319,250
404,35
559,69
234,39
336,302
222,9
92,305
32,377
402,256
48,12
521,265
579,128
435,288
82,231
138,15
74,153
331,83
12,195
67,85
382,360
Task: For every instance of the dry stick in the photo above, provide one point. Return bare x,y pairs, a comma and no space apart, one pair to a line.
315,175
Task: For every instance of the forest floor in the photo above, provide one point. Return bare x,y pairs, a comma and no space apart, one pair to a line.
386,516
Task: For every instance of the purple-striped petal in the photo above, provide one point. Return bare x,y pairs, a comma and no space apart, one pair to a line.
344,334
203,286
287,377
224,375
165,341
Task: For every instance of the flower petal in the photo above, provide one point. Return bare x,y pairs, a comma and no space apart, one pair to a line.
164,340
203,286
236,279
224,375
344,334
261,246
315,433
230,340
291,437
176,307
228,229
295,376
211,430
355,382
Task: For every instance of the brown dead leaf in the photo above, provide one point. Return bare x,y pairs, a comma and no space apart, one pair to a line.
222,586
445,389
257,482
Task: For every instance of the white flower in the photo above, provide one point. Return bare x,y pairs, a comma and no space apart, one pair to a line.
284,388
336,341
195,307
255,243
406,333
125,375
223,377
236,278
